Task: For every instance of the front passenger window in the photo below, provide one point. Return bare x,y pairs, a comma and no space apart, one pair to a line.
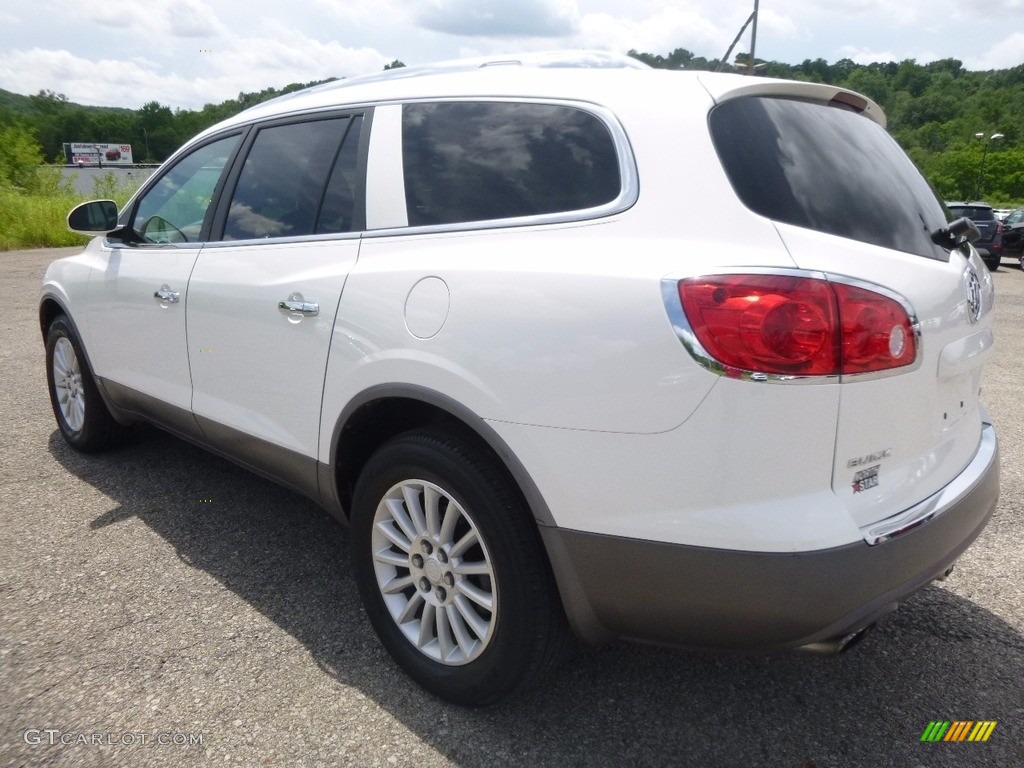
174,209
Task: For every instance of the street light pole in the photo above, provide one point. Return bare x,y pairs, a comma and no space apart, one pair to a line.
984,154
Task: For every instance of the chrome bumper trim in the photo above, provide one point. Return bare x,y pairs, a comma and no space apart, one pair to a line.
945,499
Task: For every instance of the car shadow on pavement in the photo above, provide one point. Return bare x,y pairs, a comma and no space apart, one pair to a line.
941,657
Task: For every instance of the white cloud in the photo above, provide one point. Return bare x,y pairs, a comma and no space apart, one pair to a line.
108,15
865,55
185,53
668,29
153,21
101,82
253,66
1007,53
294,57
366,12
880,13
192,18
499,18
773,24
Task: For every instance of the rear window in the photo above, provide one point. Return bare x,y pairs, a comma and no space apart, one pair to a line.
826,168
466,162
973,212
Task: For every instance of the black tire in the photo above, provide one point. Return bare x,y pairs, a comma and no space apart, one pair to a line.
526,632
87,427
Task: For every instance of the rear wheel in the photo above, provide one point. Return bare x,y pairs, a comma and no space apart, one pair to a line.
81,414
452,571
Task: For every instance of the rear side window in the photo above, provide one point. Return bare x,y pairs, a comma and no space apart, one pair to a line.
828,169
973,212
285,180
467,162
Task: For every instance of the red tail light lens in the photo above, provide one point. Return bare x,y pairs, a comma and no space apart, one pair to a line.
802,326
877,332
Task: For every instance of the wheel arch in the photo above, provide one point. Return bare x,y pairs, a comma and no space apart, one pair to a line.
385,411
51,306
381,412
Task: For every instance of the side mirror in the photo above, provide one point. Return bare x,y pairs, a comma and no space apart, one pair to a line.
93,218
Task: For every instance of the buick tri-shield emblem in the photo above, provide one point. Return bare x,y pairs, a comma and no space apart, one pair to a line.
972,286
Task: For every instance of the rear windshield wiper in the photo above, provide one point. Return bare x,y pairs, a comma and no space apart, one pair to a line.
949,237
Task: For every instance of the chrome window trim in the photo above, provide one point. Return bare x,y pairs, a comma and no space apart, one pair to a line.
684,331
295,240
629,190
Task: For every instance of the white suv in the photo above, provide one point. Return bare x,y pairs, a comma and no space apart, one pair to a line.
569,343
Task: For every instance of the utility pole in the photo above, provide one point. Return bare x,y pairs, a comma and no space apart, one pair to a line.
753,41
751,19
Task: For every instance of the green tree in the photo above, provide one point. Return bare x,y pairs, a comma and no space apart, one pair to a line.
20,157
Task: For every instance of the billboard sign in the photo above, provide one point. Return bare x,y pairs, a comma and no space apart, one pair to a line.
87,153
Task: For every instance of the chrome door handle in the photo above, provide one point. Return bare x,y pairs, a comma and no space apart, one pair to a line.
306,308
166,294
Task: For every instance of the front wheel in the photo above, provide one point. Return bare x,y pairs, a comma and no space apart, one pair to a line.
452,571
81,414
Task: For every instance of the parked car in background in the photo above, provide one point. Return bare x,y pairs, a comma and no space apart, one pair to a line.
1013,235
990,244
1002,213
436,302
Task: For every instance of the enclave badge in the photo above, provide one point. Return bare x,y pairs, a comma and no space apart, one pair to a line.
972,287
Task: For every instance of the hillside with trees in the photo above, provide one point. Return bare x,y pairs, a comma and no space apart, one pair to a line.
943,115
935,111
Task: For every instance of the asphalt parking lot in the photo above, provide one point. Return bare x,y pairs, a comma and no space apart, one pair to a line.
162,607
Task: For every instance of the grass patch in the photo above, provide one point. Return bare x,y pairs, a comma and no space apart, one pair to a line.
37,218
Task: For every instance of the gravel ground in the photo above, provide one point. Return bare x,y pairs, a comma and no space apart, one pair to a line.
159,594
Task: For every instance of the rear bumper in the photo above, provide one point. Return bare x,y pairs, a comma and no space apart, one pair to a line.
714,598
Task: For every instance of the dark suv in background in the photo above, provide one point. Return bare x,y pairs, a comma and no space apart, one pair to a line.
990,244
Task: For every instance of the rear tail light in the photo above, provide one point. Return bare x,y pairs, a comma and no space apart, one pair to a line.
797,326
998,244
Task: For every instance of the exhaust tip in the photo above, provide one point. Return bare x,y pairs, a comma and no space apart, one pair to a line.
836,645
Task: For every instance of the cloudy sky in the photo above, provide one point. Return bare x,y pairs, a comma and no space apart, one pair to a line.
185,53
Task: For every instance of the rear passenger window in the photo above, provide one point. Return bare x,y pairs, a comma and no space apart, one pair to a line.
285,180
467,162
339,205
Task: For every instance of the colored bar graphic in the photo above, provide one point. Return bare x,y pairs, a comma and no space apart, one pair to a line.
958,730
982,730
